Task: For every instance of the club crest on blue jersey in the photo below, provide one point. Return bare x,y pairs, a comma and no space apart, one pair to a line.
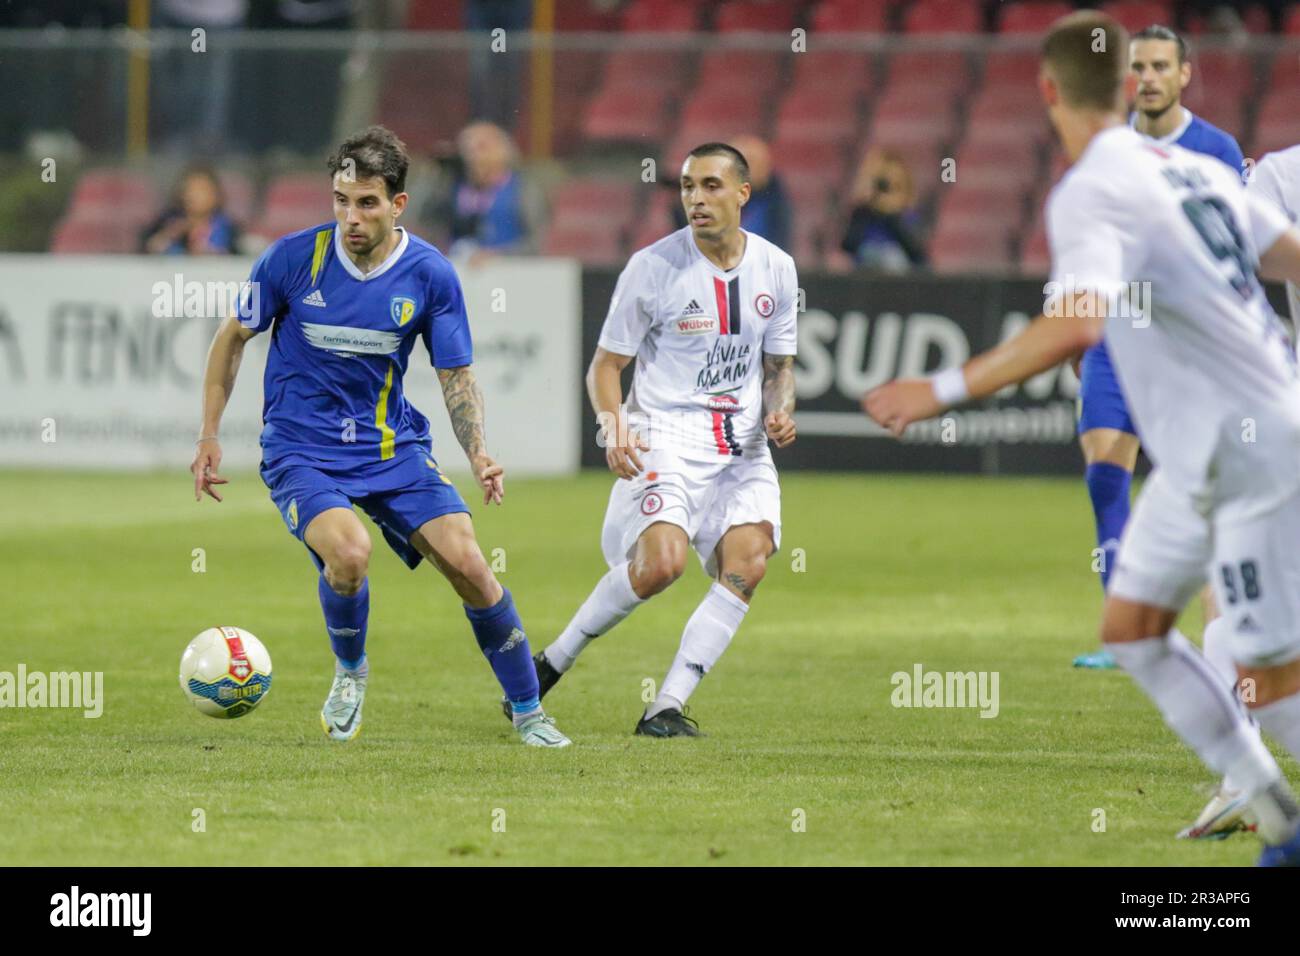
402,309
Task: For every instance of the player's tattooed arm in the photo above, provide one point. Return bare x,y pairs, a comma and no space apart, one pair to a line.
464,400
778,398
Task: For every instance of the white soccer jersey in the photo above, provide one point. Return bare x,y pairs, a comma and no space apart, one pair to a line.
1207,371
1276,179
699,334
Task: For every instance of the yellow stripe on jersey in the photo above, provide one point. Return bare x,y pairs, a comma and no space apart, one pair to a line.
387,435
318,257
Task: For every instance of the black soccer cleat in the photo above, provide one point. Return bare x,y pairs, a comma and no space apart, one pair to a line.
547,677
668,723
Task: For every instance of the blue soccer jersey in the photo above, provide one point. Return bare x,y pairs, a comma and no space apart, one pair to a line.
1199,136
340,342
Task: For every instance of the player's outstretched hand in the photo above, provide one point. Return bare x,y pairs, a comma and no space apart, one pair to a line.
624,459
780,428
491,477
207,459
897,404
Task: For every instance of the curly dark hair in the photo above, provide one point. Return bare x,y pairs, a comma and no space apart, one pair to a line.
375,151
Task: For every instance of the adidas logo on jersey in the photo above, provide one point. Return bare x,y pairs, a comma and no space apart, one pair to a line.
315,299
1247,625
692,309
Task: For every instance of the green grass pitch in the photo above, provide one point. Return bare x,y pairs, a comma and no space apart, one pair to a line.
956,574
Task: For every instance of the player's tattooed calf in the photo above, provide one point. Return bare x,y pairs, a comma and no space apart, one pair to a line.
738,582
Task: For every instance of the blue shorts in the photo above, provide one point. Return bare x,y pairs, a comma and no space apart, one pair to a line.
399,495
1101,403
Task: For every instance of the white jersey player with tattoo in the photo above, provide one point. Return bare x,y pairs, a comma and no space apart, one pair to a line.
708,314
1276,180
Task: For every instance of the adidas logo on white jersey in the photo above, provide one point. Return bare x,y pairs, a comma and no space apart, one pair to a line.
692,309
315,299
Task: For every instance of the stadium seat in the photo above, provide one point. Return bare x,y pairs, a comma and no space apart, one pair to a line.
1014,115
1031,17
851,16
771,16
661,16
610,202
1004,166
1136,14
961,204
969,248
908,117
843,71
86,236
938,73
831,114
122,192
646,68
626,114
240,194
592,243
943,16
434,15
711,115
1004,69
1035,256
816,160
1284,73
741,73
1278,123
1291,25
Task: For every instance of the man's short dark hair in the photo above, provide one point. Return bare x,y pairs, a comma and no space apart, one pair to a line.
375,151
1087,53
1158,32
723,149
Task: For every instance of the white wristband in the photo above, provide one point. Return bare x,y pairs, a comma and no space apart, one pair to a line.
950,386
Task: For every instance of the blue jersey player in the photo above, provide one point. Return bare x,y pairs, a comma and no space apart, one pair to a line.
1158,59
345,304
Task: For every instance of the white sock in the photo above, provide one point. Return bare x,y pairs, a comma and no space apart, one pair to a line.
707,635
1199,708
612,600
1214,645
1282,720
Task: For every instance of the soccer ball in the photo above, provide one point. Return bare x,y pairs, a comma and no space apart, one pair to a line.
225,672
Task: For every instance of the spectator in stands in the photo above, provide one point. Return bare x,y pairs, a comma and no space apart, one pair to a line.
883,228
194,223
767,213
490,207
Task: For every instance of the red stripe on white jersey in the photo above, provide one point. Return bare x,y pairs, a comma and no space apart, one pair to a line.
718,438
720,294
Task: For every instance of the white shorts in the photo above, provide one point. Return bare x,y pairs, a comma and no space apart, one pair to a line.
703,498
1171,547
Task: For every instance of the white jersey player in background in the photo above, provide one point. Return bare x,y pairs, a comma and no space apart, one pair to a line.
1276,179
709,314
1213,388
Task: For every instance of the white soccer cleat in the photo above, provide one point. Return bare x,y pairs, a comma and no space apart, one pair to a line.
341,716
1223,816
538,730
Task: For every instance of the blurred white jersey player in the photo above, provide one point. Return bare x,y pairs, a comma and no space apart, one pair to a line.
1158,247
1276,179
708,313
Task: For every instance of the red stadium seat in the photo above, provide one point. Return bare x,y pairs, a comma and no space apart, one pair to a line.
1284,74
1035,256
132,195
933,71
434,15
611,202
661,16
712,114
1291,25
961,204
1014,115
943,16
809,159
646,68
592,243
1031,17
769,16
741,73
299,191
969,248
1278,124
908,117
1000,165
1224,71
585,17
1011,69
830,114
851,16
1136,14
85,236
627,115
840,70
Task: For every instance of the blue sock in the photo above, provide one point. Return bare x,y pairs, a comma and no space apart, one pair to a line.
345,619
1108,487
500,635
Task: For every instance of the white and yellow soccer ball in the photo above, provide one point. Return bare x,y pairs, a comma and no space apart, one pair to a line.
225,672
